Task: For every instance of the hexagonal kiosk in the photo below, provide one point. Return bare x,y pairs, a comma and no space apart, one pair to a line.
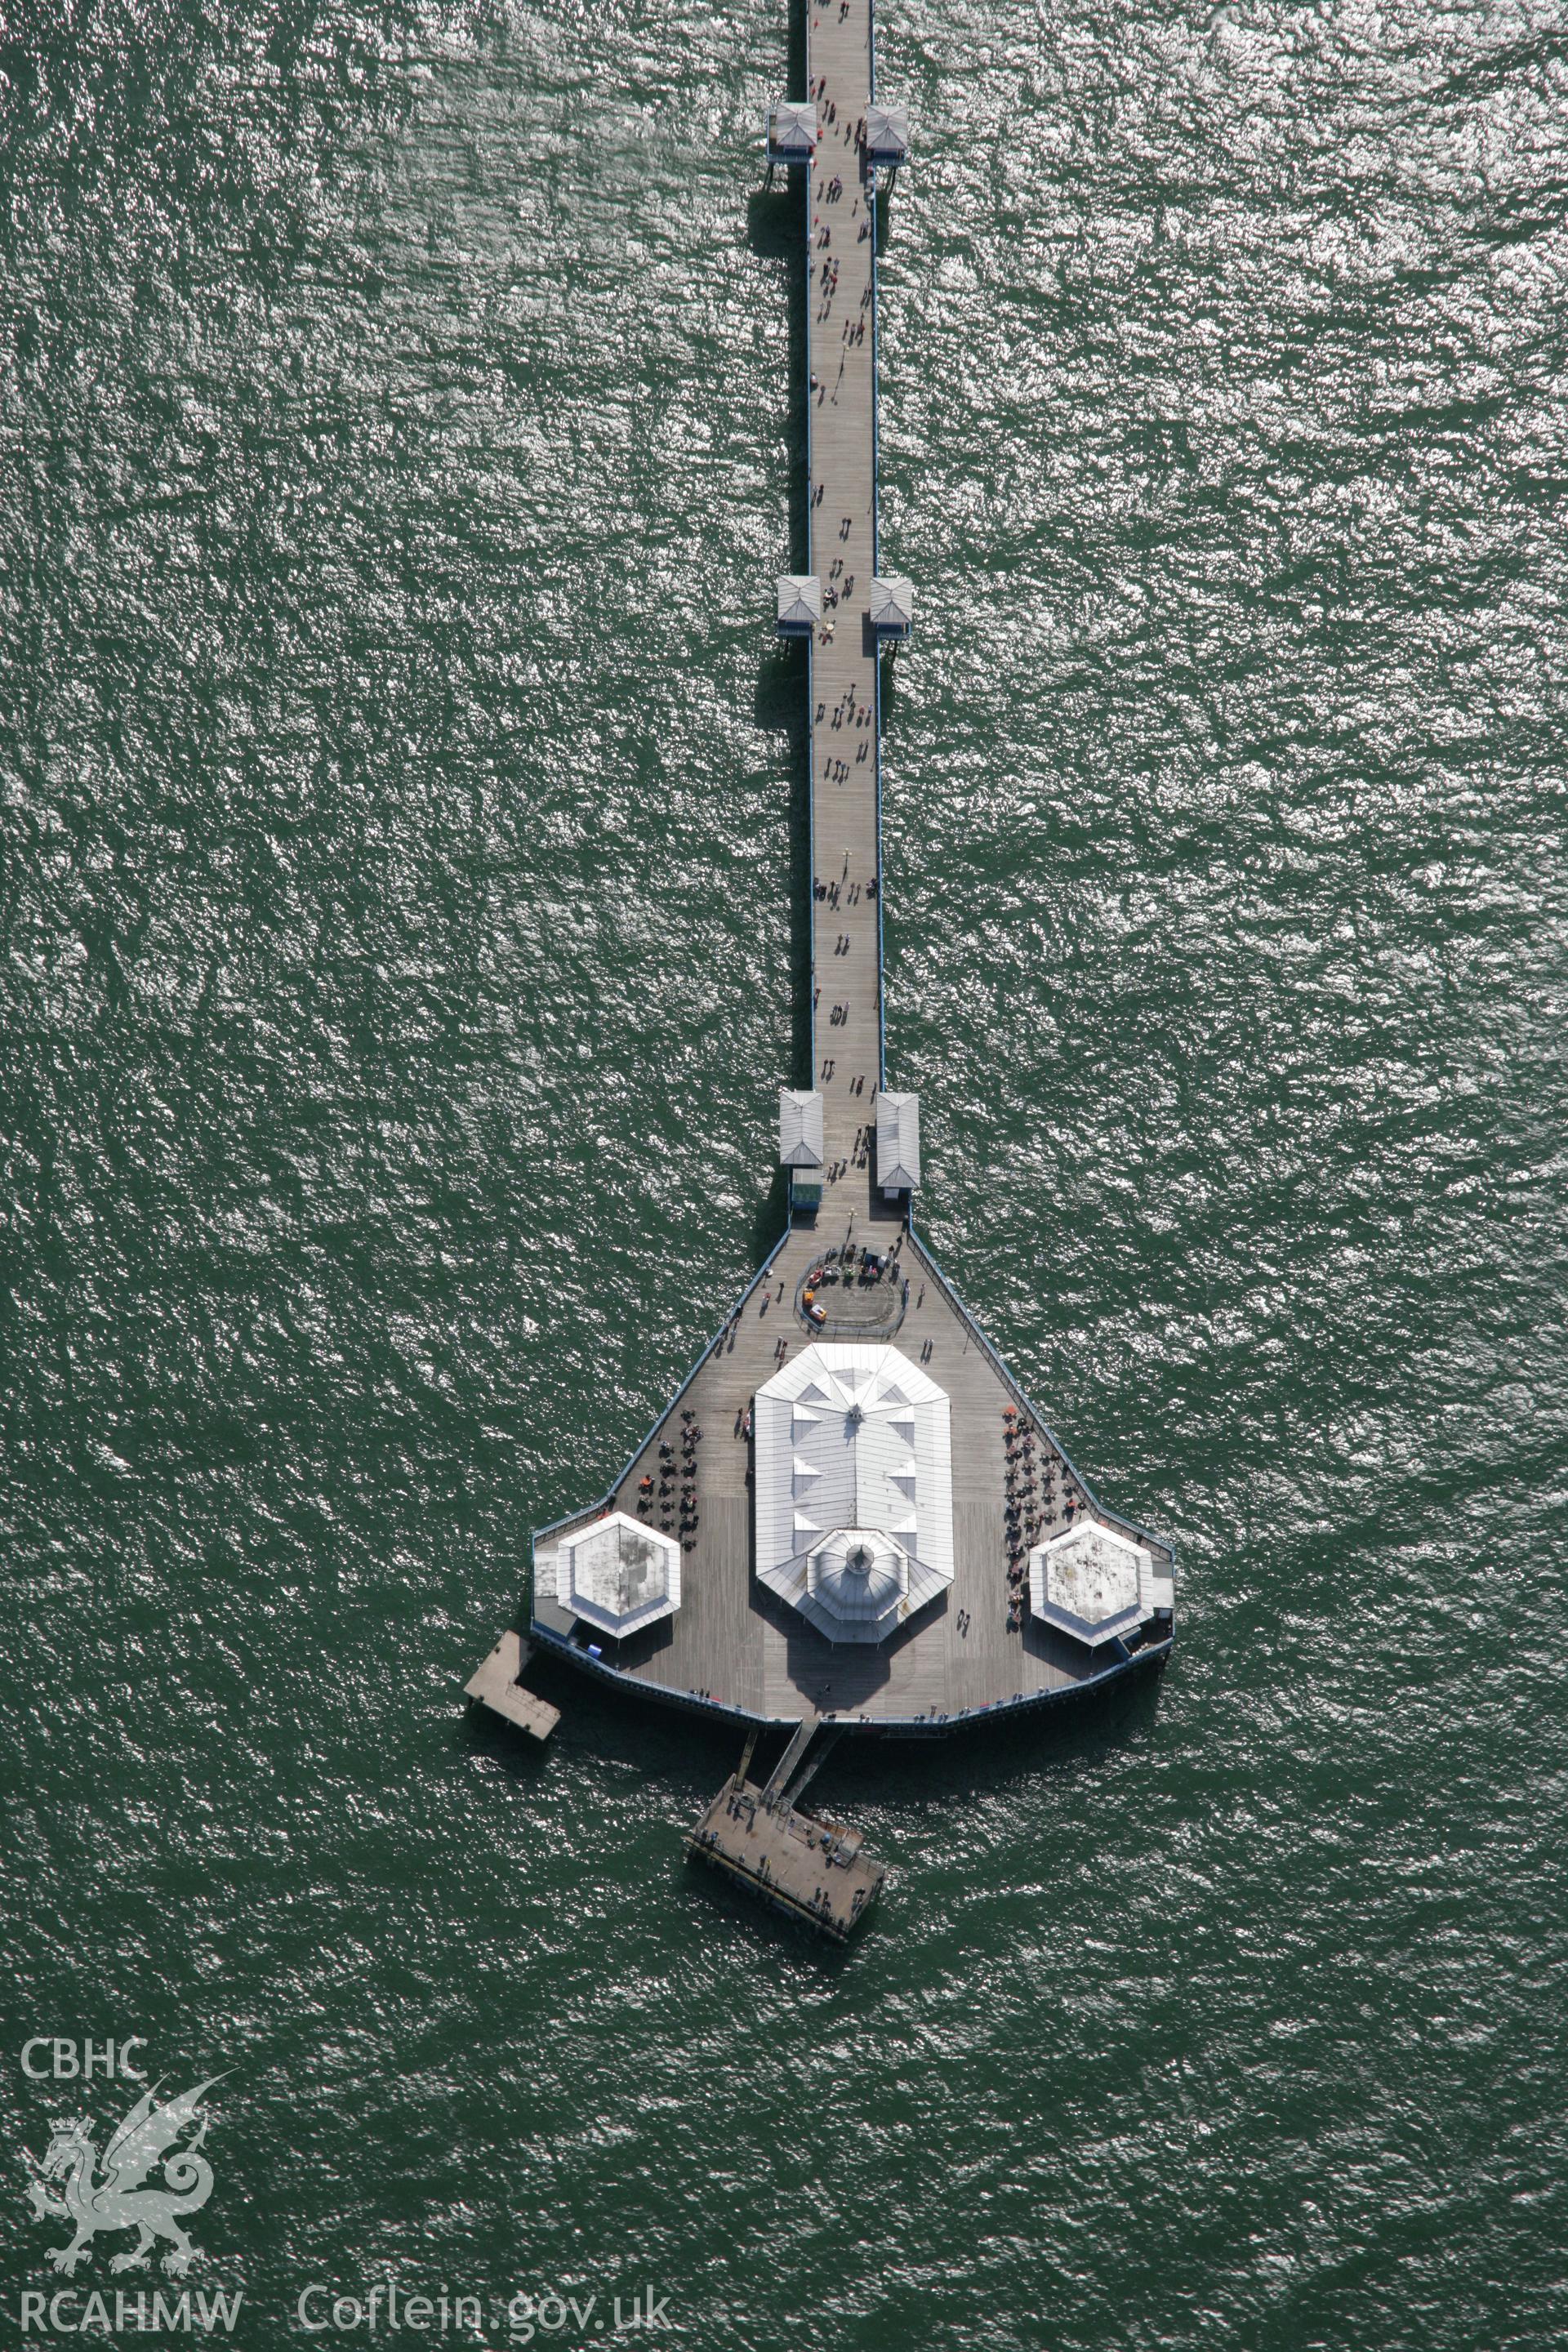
1096,1583
618,1575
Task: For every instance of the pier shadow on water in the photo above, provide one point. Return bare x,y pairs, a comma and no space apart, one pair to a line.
776,229
776,232
772,1209
888,688
780,704
694,1752
1084,1729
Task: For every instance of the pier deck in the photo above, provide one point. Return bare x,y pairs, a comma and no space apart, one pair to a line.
735,1650
845,682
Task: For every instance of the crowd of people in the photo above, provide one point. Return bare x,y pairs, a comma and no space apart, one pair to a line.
1031,1509
674,1491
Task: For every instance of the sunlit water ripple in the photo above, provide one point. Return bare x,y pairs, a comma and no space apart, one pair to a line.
396,778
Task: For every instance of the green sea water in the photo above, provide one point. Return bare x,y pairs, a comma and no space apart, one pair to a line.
397,778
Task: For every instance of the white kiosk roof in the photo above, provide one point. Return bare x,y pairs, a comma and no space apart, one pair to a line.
618,1574
1094,1583
800,602
892,605
800,1129
898,1142
792,127
887,133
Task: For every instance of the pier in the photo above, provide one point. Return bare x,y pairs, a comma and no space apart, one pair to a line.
843,663
851,1513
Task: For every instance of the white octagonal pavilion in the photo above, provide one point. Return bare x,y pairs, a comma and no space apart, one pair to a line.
854,1489
860,1578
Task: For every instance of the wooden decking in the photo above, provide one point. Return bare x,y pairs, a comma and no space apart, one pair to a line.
842,503
498,1685
811,1870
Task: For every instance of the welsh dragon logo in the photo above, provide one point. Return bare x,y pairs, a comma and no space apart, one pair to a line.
113,2198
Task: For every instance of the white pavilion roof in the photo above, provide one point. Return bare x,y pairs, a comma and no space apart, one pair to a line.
852,1447
858,1576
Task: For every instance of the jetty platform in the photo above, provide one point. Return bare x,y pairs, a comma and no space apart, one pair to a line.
815,1872
498,1685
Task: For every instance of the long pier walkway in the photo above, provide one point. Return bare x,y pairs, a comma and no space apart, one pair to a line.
845,718
714,1636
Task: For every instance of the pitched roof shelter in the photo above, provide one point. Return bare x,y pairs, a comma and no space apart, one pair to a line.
800,1129
793,130
886,134
898,1142
891,609
799,605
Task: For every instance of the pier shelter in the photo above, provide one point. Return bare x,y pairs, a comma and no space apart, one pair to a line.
792,131
799,605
